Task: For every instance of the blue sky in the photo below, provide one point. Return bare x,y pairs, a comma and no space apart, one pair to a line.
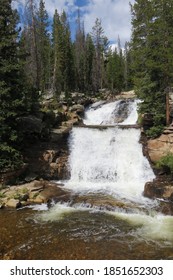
114,14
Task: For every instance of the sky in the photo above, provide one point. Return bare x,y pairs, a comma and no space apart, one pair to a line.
114,14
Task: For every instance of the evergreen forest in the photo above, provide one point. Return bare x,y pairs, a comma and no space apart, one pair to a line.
38,58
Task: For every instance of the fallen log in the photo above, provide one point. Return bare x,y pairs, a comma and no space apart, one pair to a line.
122,126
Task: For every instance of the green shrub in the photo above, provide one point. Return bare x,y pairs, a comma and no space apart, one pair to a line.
10,158
166,163
155,131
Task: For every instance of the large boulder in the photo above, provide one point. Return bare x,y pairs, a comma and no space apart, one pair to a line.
30,124
13,203
161,146
159,189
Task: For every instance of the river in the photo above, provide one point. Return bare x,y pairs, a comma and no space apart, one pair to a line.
107,216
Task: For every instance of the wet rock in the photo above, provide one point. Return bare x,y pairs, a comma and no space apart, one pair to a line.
159,189
103,202
122,112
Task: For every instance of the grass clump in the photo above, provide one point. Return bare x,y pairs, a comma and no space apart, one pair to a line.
166,163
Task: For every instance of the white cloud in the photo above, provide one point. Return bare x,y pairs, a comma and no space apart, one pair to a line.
114,14
115,17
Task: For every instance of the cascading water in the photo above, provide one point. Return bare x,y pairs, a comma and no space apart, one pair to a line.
107,160
110,160
100,212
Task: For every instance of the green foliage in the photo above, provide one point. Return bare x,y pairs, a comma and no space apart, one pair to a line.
11,88
151,50
155,131
115,71
166,162
2,195
10,158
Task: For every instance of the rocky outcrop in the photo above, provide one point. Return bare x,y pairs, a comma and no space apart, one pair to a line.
78,108
55,164
159,188
33,192
8,176
161,146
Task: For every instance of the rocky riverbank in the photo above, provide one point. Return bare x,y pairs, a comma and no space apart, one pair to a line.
47,159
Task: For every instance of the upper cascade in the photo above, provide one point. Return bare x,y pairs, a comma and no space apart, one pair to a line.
117,112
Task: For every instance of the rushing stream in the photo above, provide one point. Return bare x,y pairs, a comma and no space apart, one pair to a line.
107,217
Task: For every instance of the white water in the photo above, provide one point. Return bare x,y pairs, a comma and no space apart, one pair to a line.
106,114
111,161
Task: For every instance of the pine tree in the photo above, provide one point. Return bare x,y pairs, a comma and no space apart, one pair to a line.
128,73
43,47
63,61
101,45
11,89
67,62
57,54
31,41
80,58
89,55
152,44
115,71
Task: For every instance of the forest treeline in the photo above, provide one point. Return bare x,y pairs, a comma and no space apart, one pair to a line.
56,63
39,57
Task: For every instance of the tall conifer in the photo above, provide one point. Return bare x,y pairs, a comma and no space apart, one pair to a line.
11,89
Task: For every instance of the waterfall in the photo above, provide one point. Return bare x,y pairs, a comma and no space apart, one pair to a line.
111,160
109,163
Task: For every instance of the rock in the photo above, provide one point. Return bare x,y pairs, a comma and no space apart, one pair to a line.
147,120
79,109
51,156
159,189
30,177
121,113
13,203
30,124
102,202
33,192
98,104
128,94
8,176
2,204
59,117
159,147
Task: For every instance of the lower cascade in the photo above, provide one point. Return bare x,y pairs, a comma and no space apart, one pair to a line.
107,162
